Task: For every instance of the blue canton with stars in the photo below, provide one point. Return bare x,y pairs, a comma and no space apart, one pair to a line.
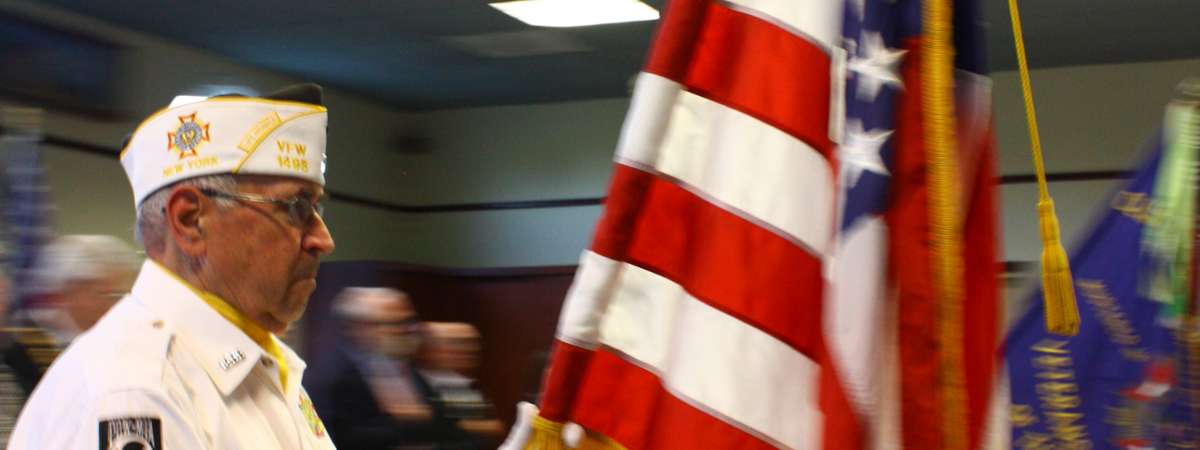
871,32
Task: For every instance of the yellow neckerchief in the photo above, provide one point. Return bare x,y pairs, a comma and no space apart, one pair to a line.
256,333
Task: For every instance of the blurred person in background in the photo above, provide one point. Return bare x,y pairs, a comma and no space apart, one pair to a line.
227,194
449,357
369,392
76,280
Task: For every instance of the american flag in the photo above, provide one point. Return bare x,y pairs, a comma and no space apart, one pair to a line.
754,283
27,203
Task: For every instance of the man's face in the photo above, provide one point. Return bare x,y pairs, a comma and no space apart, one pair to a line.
87,300
393,330
263,260
454,347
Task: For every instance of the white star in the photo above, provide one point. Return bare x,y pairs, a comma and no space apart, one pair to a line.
861,151
878,66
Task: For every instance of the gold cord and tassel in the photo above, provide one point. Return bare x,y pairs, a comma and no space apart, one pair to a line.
597,441
547,435
1058,291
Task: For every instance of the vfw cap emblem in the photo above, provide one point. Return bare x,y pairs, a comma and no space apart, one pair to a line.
188,137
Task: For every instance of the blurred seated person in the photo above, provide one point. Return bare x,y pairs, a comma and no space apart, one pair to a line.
448,360
369,393
76,280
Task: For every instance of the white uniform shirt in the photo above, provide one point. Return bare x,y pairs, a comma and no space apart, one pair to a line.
164,369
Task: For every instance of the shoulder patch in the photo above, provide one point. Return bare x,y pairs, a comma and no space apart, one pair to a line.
310,415
131,433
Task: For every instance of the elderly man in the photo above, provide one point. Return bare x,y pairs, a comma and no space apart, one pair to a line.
226,192
78,278
449,359
369,389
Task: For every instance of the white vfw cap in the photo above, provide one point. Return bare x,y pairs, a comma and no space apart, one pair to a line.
280,134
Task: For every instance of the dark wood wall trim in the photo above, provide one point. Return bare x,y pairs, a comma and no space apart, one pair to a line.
1068,176
1018,267
464,207
471,272
85,147
80,146
112,152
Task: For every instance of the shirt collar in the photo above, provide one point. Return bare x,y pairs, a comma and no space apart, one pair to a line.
265,340
225,352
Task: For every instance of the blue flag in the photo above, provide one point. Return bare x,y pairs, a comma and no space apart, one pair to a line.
27,208
1120,383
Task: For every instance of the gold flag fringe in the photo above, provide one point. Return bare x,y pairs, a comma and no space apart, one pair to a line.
937,77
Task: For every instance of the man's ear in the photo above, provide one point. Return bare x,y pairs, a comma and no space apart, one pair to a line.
185,215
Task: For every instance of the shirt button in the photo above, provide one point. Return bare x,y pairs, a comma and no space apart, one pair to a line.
158,324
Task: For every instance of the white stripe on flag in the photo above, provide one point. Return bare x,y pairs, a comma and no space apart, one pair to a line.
997,428
884,420
732,158
587,300
856,309
819,21
709,359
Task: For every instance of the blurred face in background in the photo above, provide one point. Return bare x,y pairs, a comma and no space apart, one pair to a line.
80,277
452,346
85,301
387,326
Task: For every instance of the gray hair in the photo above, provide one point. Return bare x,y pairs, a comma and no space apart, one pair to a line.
77,257
151,229
360,303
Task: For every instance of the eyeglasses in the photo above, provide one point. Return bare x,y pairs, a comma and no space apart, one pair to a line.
299,209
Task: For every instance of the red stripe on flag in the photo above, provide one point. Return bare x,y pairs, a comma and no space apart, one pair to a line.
981,307
626,200
628,404
747,64
731,264
910,267
841,430
671,52
911,270
567,365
